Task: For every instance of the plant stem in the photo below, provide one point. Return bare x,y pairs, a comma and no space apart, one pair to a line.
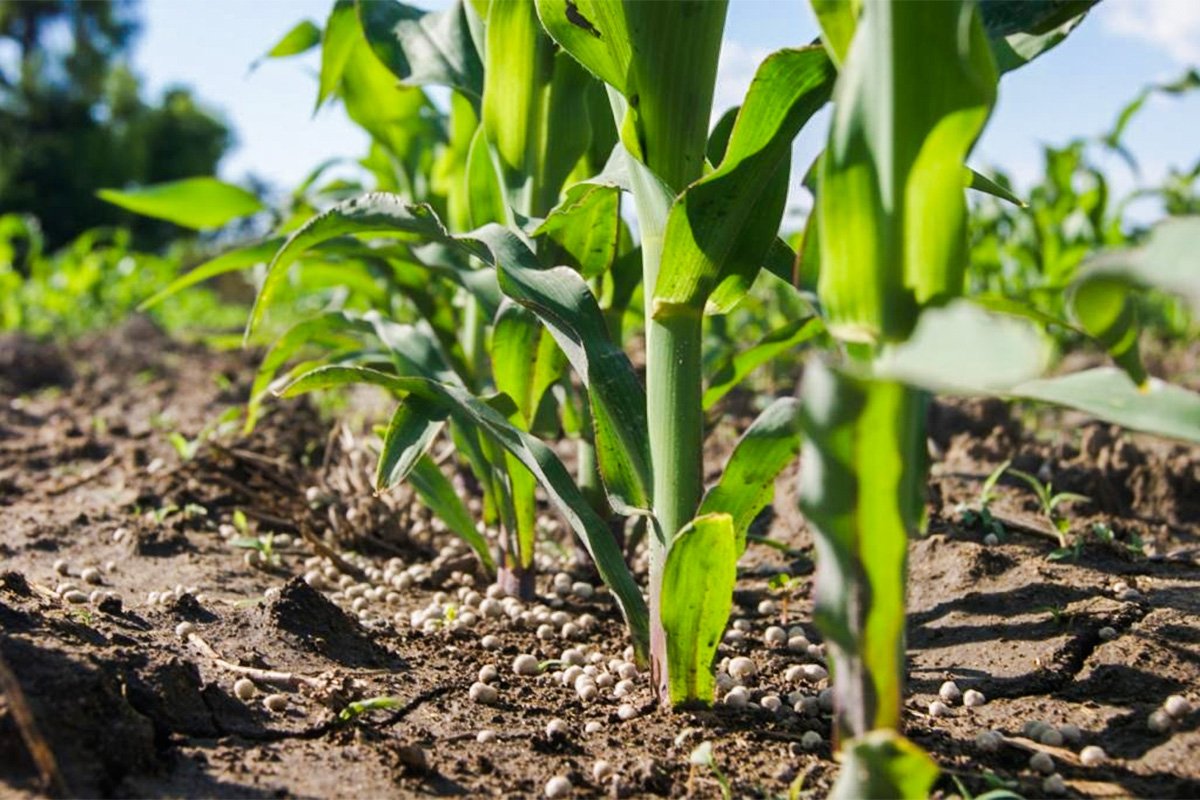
674,413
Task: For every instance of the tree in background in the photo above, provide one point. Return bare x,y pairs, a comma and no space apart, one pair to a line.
72,119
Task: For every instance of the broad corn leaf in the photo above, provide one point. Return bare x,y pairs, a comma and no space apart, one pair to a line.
440,495
662,57
414,425
697,596
197,203
722,226
747,485
424,47
234,261
1108,393
586,227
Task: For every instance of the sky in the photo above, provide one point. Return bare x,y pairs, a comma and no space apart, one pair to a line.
1076,89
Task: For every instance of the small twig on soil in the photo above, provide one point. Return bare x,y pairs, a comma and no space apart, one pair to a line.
1027,528
35,743
322,549
1031,746
80,480
288,679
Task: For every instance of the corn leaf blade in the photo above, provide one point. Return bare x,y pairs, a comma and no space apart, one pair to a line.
781,340
724,223
424,47
913,94
337,41
414,425
439,494
747,485
558,296
697,596
302,37
232,261
586,225
197,203
1107,393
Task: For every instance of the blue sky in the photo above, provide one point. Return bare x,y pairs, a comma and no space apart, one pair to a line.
1076,89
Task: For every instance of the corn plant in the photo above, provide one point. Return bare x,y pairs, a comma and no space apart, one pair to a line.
915,86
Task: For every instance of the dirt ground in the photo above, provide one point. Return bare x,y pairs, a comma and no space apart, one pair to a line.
92,493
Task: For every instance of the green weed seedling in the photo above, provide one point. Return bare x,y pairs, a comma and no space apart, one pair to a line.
263,546
1102,534
703,756
785,587
359,707
981,517
1049,500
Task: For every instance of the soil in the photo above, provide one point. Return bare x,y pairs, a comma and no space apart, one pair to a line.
1097,636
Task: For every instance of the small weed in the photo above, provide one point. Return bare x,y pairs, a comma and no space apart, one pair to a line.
703,756
785,586
360,707
981,518
1049,500
264,545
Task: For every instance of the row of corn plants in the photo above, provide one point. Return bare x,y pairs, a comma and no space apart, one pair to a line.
514,288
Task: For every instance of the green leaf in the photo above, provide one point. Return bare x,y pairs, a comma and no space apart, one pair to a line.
838,19
397,117
414,426
523,368
697,596
534,108
439,494
558,296
1101,300
962,348
196,203
781,340
862,474
1107,393
1104,308
341,34
303,36
533,454
1021,30
569,310
1189,81
586,225
884,764
747,485
233,261
913,94
1166,261
485,195
424,47
721,227
982,183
